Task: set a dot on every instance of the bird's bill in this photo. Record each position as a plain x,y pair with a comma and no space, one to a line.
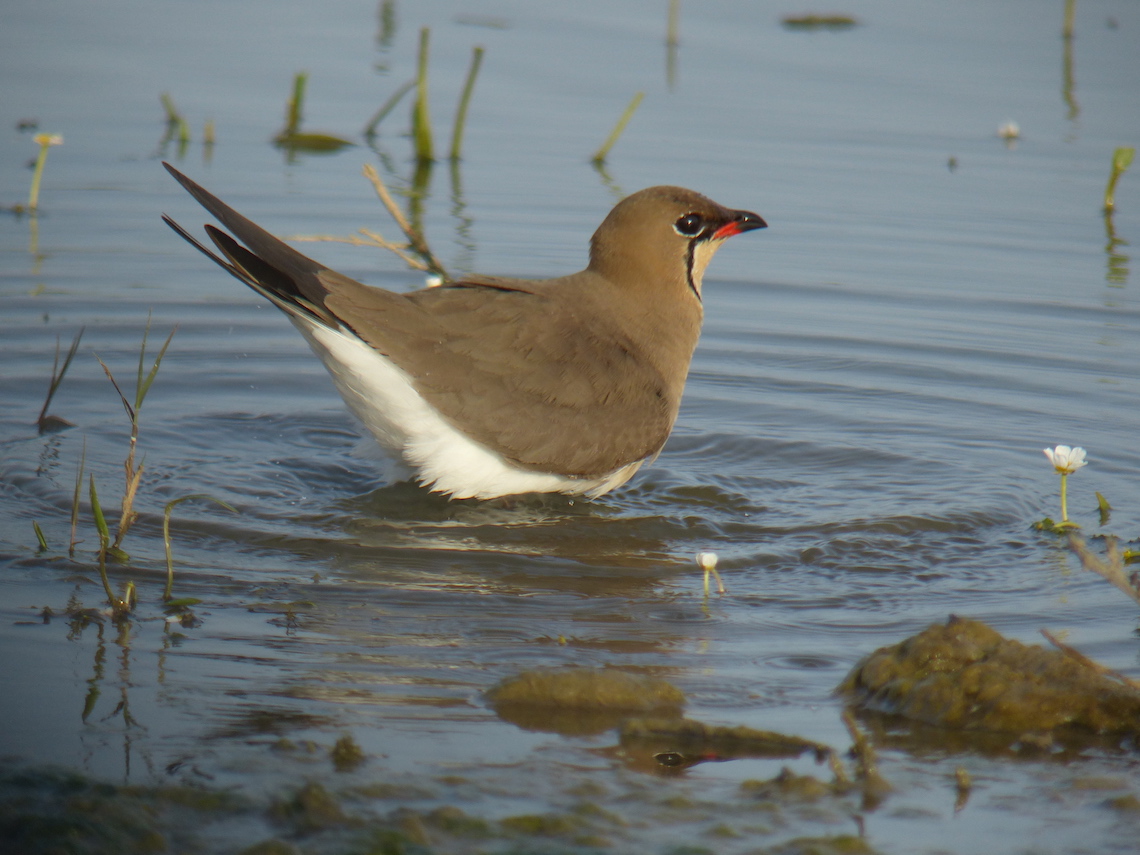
742,221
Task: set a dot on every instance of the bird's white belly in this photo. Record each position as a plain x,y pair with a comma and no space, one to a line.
382,396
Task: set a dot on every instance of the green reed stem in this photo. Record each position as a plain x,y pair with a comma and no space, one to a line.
464,100
44,421
1064,497
45,141
1121,160
75,498
104,544
421,118
175,121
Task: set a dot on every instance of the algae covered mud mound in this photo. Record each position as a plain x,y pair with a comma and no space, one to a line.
996,693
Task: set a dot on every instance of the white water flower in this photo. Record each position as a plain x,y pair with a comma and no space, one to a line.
1009,130
707,562
1066,460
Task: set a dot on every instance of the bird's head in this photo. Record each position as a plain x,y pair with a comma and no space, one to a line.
664,235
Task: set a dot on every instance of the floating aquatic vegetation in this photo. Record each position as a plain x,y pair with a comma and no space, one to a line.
684,742
292,138
818,22
581,700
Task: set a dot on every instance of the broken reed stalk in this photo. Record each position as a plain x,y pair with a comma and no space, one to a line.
464,99
1121,160
416,241
1084,661
387,107
44,421
295,105
176,122
44,141
370,238
415,253
601,154
1112,570
421,118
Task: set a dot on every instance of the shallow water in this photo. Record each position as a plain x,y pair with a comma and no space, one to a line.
859,442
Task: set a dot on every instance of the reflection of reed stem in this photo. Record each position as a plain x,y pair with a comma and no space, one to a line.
1067,28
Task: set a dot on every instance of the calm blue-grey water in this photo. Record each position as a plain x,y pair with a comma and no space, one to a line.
860,440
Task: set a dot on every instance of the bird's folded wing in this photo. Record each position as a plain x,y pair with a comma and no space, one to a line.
519,369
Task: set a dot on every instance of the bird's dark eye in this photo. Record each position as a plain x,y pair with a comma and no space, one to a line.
689,225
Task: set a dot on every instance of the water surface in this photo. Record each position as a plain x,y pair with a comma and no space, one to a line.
860,439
